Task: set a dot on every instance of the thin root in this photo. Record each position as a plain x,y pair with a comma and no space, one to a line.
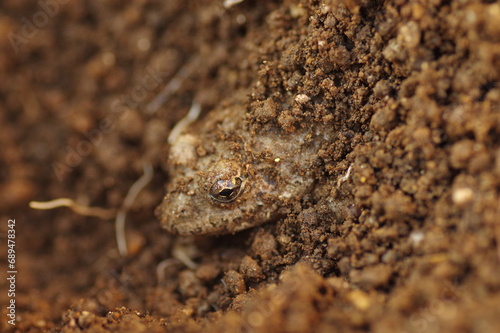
172,86
189,118
105,214
345,177
182,256
160,268
230,3
121,216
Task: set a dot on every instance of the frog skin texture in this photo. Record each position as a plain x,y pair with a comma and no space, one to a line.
261,168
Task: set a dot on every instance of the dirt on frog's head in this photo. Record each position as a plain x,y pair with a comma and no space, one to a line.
225,178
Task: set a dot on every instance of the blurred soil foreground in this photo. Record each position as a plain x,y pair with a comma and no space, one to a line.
401,232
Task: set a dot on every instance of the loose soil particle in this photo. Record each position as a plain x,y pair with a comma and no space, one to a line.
399,233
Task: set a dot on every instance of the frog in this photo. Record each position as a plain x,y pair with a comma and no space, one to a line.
229,173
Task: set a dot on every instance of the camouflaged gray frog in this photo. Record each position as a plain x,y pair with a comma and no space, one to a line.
227,174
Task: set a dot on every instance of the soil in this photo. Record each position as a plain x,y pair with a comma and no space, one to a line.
400,233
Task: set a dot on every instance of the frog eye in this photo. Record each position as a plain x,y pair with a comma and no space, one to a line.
226,190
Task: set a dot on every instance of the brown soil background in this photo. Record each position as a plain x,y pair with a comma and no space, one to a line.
411,86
